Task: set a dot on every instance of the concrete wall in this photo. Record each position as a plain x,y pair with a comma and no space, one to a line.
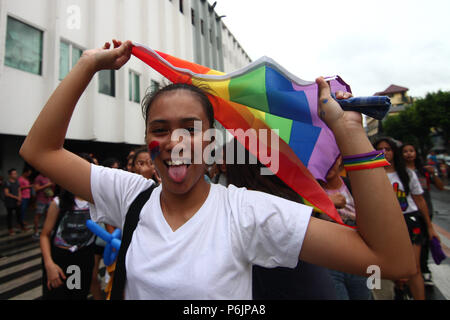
99,117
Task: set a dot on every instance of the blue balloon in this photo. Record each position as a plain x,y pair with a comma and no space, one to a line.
112,241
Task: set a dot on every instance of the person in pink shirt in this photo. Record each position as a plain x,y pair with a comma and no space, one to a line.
25,191
44,195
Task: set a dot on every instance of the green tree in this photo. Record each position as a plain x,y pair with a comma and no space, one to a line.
415,123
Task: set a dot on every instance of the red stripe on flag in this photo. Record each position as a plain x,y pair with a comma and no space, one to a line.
171,74
180,63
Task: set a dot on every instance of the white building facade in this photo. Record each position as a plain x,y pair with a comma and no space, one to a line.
41,40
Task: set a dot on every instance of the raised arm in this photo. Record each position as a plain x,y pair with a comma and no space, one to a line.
43,147
381,237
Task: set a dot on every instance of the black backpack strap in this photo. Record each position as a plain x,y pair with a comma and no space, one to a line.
131,221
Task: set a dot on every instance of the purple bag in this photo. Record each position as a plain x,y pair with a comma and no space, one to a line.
436,251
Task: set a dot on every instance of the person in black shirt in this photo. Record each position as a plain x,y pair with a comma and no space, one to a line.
13,200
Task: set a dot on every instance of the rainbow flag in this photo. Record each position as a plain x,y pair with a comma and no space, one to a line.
264,95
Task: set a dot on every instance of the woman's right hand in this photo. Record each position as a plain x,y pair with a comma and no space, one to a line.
106,58
55,276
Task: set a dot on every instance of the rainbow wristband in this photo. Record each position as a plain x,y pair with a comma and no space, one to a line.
371,160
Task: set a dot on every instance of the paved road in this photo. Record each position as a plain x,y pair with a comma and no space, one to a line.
441,221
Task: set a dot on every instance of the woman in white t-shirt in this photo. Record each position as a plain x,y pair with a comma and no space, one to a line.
409,193
196,240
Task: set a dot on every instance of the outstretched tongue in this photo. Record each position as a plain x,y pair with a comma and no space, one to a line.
178,173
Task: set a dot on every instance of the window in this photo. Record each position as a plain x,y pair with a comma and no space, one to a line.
193,17
23,47
107,82
154,86
76,55
68,58
210,35
181,6
202,27
134,90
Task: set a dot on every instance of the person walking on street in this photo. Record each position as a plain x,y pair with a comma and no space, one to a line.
44,195
25,191
410,197
13,200
427,176
67,242
205,237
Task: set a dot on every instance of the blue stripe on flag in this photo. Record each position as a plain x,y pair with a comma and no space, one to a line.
283,100
303,140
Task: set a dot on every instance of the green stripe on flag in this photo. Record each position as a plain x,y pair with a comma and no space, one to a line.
282,124
250,89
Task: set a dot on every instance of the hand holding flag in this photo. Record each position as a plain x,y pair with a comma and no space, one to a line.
329,109
106,58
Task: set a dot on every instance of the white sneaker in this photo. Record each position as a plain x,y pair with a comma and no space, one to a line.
427,279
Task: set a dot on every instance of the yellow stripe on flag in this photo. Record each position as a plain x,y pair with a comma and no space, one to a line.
217,88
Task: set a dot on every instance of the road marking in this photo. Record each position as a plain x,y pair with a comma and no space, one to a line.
441,278
4,287
29,295
6,260
20,267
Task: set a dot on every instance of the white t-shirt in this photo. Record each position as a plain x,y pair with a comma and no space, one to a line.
211,255
407,203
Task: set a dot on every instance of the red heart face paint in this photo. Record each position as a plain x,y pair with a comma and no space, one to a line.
153,147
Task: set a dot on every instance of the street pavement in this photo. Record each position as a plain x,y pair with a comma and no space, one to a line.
21,262
441,221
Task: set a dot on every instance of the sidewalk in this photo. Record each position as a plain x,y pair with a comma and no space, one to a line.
441,223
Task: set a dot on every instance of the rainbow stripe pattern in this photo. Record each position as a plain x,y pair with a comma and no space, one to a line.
264,95
370,160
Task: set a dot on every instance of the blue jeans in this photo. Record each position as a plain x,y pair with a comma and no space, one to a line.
350,286
23,208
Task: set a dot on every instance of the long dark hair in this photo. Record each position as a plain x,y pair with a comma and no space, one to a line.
67,198
399,163
418,161
138,152
249,175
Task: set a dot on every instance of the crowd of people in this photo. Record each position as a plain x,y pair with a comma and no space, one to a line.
221,231
34,193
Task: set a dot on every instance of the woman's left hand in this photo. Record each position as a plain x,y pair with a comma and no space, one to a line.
329,109
432,233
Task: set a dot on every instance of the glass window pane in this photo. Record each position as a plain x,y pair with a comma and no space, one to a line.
23,47
130,86
107,82
137,91
63,60
76,55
